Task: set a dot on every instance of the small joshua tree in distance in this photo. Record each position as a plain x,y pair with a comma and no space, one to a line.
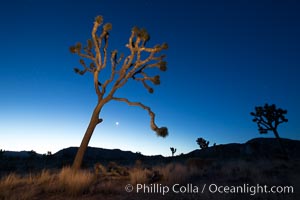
94,57
268,118
173,150
202,143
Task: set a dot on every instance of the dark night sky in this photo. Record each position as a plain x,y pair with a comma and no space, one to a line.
224,58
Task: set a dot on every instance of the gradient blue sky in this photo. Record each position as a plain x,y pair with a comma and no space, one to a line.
224,58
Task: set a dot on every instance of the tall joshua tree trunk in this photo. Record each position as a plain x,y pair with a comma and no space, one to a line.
86,138
134,67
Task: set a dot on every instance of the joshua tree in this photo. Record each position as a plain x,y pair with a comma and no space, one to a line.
202,143
268,117
133,67
173,150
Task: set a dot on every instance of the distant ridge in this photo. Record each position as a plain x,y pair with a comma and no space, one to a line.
100,153
257,147
254,148
20,154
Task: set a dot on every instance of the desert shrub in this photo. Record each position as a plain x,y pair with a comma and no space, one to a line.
75,182
114,169
99,169
167,174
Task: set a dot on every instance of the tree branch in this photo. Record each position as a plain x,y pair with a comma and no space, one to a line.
96,43
84,66
86,56
105,51
114,63
266,123
266,126
163,131
96,85
261,121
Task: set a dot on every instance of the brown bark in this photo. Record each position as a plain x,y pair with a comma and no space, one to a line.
86,138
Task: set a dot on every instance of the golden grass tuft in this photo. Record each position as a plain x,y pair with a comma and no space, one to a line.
65,181
11,181
44,177
75,182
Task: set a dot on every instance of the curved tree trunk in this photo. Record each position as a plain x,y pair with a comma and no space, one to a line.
86,138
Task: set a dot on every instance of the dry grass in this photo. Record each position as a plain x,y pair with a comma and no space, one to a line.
11,183
43,178
139,175
66,181
166,174
66,184
174,173
75,183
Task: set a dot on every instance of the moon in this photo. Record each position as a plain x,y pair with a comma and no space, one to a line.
117,123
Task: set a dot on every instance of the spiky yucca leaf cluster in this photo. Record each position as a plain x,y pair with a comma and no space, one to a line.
107,27
136,44
141,33
99,19
76,48
162,131
163,66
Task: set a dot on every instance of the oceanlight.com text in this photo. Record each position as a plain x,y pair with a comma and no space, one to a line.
211,188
